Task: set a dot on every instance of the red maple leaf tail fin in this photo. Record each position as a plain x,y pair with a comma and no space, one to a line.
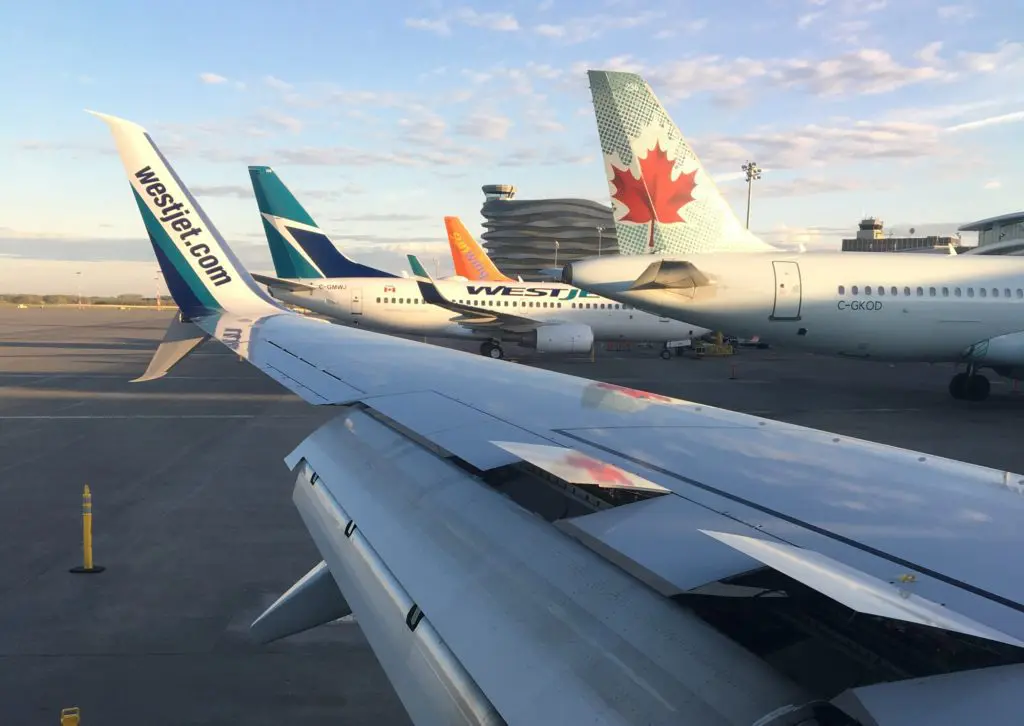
689,213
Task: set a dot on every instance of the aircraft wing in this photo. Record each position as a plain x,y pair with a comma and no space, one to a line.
278,282
482,612
471,316
671,276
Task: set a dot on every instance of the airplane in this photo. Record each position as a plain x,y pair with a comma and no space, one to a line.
701,565
549,317
874,306
471,260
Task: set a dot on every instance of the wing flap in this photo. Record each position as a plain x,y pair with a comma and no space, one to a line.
547,630
856,589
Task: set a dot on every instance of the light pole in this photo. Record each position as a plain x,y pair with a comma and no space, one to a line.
78,278
157,281
556,253
600,230
753,172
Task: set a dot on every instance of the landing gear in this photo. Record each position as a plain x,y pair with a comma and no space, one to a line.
666,354
969,386
491,350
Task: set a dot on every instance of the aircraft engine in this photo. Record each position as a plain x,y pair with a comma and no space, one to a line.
560,339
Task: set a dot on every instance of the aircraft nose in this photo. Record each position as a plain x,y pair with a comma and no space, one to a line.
567,274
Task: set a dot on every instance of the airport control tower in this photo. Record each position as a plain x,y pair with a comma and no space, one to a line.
521,233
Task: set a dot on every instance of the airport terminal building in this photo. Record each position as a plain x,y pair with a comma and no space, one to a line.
1002,235
521,234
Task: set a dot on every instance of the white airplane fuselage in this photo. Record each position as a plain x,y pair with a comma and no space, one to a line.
882,306
395,305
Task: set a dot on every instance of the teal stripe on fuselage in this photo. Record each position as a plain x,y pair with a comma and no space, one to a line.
160,237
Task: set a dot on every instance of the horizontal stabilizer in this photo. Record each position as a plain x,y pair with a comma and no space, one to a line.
312,601
858,590
577,468
282,284
670,275
180,339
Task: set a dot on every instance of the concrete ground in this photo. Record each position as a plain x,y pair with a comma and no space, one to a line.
194,521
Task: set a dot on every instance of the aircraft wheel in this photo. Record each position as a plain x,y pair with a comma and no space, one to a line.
666,354
495,352
958,386
485,347
978,388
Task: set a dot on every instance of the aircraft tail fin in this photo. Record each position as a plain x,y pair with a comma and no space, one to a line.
471,260
202,273
299,247
663,199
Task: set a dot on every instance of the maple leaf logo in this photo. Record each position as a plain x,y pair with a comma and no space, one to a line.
654,197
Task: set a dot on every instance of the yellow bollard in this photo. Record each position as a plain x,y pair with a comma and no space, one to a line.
87,567
70,716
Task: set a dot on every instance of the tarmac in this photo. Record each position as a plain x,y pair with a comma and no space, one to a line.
194,521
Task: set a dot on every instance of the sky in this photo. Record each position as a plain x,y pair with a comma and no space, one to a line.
384,117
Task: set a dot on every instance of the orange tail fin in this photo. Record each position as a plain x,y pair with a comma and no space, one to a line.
471,261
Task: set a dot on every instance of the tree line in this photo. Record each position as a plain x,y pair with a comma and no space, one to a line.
125,299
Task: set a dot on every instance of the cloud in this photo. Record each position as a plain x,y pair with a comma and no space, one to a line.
387,217
276,83
501,22
212,78
490,21
993,184
438,26
483,125
225,190
955,13
805,20
865,71
547,124
1006,57
281,121
818,146
805,186
582,29
1006,118
534,156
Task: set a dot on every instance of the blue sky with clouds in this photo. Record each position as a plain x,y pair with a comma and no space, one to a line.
384,117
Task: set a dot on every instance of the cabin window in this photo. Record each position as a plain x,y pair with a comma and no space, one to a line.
393,300
842,290
378,299
906,291
983,292
1020,293
956,291
931,292
1006,292
853,290
920,291
995,292
945,292
867,289
970,292
559,304
881,290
